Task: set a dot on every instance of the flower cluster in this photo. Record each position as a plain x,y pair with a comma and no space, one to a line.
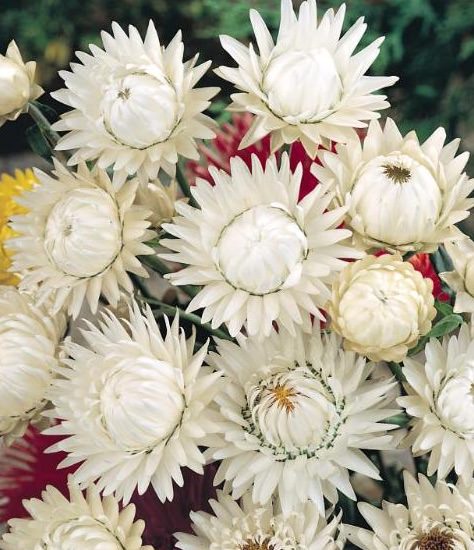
237,348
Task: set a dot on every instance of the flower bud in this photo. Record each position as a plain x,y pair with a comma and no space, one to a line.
159,199
381,306
319,84
17,85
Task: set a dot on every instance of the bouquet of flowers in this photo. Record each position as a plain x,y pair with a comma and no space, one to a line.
261,343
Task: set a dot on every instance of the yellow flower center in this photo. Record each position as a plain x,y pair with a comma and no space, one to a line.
282,396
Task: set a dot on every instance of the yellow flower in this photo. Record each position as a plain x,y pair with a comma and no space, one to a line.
10,188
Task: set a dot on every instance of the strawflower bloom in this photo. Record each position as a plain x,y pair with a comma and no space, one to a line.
88,522
401,194
80,238
30,341
296,413
134,105
381,306
249,526
11,188
308,85
435,518
135,405
441,401
261,255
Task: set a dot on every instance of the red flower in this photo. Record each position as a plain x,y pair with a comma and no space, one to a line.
25,470
422,263
226,145
164,519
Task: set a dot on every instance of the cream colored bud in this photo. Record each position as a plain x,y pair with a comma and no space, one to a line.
17,85
381,306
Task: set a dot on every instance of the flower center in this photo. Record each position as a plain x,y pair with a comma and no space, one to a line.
141,403
146,103
83,233
261,250
318,88
251,544
397,173
396,200
290,410
436,539
283,397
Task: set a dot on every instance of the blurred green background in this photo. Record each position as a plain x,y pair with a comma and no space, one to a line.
429,44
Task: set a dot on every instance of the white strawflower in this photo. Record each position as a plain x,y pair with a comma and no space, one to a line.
250,527
80,238
401,195
296,413
135,405
17,84
436,518
381,306
29,349
308,85
441,402
260,255
82,521
461,280
134,105
159,199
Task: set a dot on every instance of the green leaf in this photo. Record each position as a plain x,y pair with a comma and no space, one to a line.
400,419
445,326
38,142
47,111
443,308
449,321
467,49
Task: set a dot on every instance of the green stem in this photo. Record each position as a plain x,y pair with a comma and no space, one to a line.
51,136
191,317
397,371
138,283
43,124
153,262
185,188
